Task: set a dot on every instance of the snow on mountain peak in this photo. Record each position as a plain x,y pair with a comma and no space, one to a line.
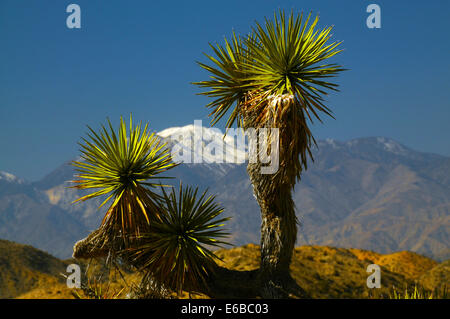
380,142
9,177
208,133
205,144
391,145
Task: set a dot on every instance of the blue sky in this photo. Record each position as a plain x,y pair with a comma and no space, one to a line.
139,56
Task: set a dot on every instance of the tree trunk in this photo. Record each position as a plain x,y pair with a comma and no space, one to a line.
273,193
278,236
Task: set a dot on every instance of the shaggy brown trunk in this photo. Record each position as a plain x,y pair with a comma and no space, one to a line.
274,191
278,236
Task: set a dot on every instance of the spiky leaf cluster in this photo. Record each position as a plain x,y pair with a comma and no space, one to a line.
177,249
124,168
275,77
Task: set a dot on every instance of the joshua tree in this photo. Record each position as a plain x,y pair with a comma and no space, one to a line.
161,234
275,78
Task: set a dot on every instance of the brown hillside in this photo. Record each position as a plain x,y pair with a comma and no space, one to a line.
324,272
23,268
437,277
410,264
327,272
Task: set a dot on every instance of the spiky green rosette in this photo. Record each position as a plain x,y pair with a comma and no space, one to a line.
275,78
176,250
123,167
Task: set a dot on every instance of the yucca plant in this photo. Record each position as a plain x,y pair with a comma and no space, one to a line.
276,77
176,252
124,167
413,294
97,290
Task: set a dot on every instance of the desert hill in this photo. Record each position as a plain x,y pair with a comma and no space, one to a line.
23,268
324,272
329,272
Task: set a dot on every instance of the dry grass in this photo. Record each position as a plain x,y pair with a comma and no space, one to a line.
324,272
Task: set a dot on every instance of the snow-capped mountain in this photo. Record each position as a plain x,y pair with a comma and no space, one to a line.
8,177
198,144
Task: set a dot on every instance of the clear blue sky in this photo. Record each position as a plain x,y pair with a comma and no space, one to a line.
139,56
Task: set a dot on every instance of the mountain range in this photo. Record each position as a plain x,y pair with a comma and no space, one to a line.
369,193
